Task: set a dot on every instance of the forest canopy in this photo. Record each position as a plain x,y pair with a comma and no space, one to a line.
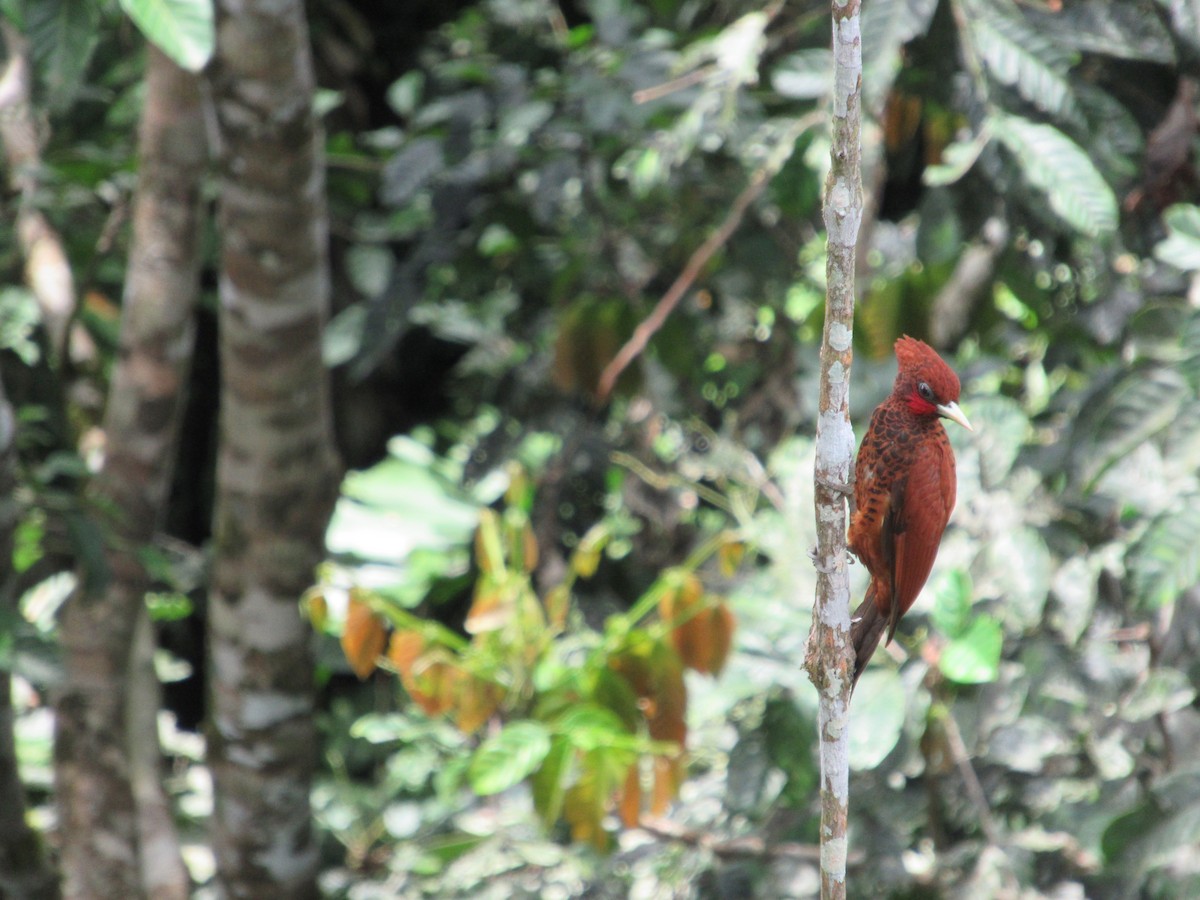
412,417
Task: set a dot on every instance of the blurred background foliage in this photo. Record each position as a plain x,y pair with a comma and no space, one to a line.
513,186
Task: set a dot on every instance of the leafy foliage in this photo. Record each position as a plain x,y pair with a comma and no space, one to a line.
583,712
509,199
182,29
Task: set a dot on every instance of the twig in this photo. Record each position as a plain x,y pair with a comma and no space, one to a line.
675,84
700,257
974,789
746,847
829,655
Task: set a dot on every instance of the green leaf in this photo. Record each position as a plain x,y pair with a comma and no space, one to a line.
974,657
549,781
1059,168
182,29
878,721
791,738
588,726
1161,691
405,92
1181,248
1023,59
952,594
1166,559
1001,429
1113,422
1019,564
958,157
62,35
805,75
508,757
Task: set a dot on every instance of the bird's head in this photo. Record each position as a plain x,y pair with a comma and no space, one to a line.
925,383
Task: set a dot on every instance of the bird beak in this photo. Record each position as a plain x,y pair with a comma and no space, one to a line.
952,412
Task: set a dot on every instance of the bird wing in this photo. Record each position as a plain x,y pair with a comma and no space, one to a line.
917,516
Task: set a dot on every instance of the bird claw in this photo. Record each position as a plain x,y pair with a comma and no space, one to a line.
823,569
846,489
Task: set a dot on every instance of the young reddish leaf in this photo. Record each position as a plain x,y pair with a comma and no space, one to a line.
701,626
430,682
434,685
404,650
363,637
681,594
630,804
655,673
723,624
493,606
478,700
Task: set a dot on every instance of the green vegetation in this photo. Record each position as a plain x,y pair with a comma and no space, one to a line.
527,577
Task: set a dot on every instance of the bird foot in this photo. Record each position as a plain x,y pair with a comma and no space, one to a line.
817,564
846,489
840,487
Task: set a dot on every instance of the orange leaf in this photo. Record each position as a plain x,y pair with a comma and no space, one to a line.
363,638
655,673
668,775
630,806
422,679
477,701
722,623
433,687
493,607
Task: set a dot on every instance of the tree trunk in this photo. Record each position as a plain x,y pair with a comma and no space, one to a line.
277,470
108,794
24,871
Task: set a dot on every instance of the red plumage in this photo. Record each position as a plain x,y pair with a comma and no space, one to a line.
904,490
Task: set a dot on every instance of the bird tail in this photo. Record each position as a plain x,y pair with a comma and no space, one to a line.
866,628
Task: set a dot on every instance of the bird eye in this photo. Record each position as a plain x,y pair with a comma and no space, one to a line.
925,391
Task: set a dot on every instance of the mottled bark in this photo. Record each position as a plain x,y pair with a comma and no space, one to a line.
118,841
276,472
830,658
47,271
24,871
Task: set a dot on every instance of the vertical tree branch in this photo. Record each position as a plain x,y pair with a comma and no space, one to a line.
276,469
829,657
117,834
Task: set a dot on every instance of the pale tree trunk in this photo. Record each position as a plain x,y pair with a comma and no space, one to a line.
117,833
24,871
276,468
830,659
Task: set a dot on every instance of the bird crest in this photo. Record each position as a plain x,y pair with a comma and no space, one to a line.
920,362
